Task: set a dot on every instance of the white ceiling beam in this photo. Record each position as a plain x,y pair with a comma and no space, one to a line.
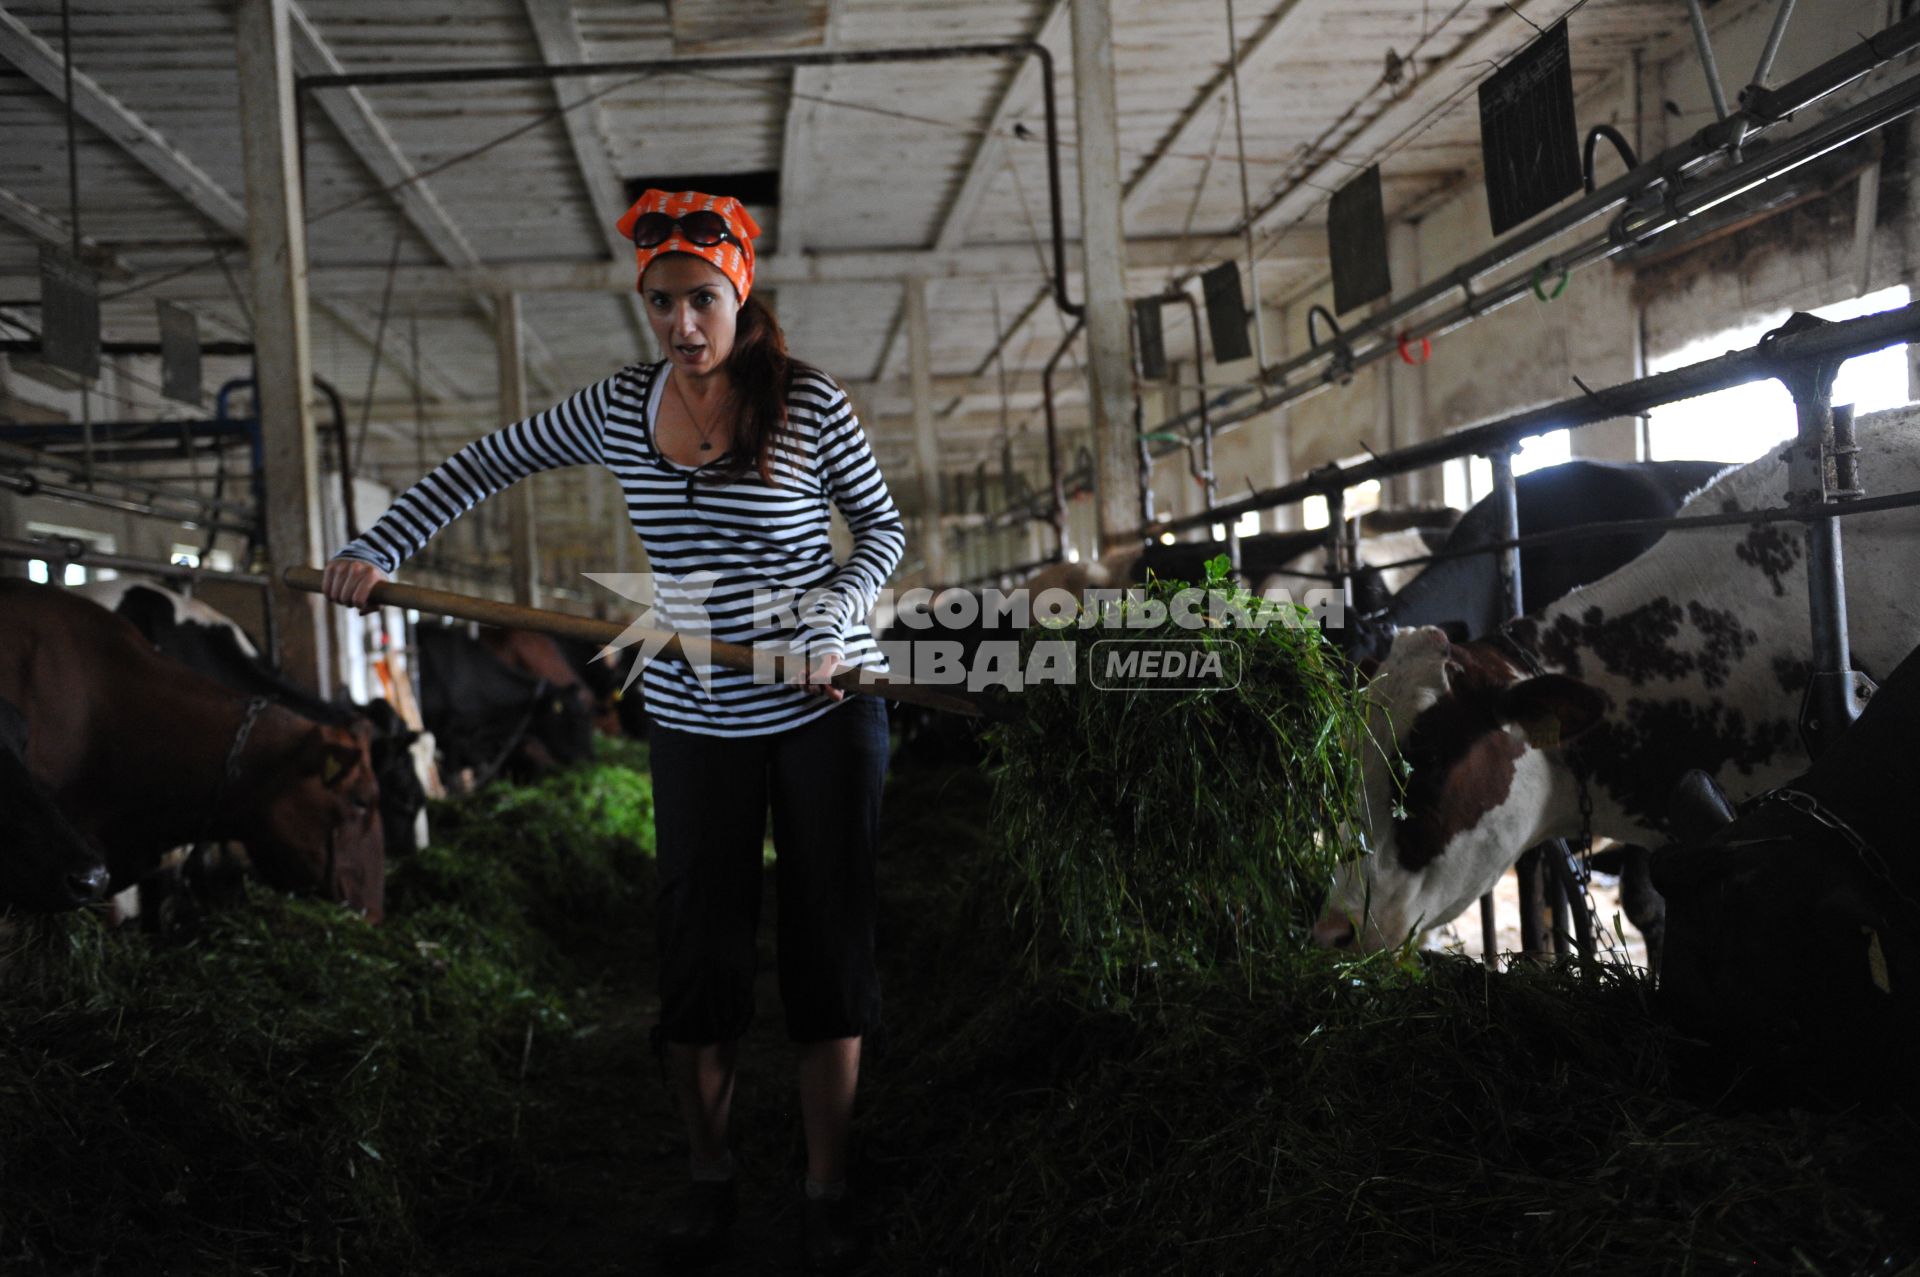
142,143
38,61
368,138
45,228
1013,263
1186,137
557,31
797,167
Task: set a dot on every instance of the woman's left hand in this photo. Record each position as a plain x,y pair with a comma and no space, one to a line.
814,679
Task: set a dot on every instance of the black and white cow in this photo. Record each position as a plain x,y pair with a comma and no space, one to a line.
1693,656
1462,595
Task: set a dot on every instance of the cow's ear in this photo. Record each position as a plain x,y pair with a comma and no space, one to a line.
337,764
331,760
1552,709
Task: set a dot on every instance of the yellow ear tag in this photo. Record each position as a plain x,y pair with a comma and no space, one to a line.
330,770
1543,731
1877,961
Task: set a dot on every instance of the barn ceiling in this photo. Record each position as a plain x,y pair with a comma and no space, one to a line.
425,200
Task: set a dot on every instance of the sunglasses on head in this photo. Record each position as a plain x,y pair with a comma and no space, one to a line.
703,228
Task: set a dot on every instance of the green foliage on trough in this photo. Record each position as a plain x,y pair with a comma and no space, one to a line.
289,1087
1187,820
1399,1114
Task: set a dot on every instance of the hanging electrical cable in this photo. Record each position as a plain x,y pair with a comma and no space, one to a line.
1246,195
379,344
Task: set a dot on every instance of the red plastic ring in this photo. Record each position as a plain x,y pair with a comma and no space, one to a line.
1406,355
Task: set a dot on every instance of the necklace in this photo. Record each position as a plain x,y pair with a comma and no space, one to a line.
706,432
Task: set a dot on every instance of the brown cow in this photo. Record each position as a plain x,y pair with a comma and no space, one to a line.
45,863
143,755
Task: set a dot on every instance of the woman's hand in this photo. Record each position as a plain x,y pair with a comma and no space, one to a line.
350,581
814,679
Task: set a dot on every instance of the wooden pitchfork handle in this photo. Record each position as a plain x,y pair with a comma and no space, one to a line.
732,656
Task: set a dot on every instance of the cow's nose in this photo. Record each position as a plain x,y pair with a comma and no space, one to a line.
87,887
1335,931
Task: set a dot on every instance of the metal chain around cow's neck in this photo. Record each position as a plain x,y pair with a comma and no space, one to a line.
1505,636
230,769
1604,935
1865,852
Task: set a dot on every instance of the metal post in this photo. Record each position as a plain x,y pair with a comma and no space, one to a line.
1540,894
1056,478
1834,697
513,407
1707,62
1774,36
1337,567
1104,261
926,445
277,265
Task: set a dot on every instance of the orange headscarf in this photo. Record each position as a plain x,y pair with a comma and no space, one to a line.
735,261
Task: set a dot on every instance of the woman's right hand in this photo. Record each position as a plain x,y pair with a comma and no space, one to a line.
350,581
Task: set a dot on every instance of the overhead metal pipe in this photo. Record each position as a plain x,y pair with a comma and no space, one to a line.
1771,50
1666,169
33,345
1769,106
71,550
1770,358
19,456
27,486
1708,63
1871,114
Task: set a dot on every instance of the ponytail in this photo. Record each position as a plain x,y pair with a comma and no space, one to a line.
763,375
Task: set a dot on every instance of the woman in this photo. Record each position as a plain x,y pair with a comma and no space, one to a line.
729,453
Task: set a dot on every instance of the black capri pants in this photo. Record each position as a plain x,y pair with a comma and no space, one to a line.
710,798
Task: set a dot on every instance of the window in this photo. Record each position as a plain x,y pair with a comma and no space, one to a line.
1467,480
1739,424
1362,498
41,570
1539,452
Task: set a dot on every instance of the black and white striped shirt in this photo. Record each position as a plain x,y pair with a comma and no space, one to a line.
752,539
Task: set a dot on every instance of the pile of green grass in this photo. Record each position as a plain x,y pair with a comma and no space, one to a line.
1180,826
290,1087
1320,1114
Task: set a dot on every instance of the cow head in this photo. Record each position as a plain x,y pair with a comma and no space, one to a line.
321,831
1456,786
46,864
